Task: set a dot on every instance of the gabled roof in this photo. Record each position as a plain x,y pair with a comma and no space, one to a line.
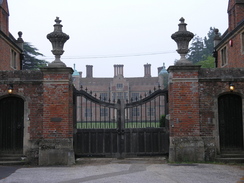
227,35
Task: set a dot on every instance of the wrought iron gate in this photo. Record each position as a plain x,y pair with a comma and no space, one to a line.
11,125
120,129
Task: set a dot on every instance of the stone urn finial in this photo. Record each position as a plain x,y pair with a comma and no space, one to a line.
182,38
57,38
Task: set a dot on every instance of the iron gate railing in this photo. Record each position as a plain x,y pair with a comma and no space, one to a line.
122,128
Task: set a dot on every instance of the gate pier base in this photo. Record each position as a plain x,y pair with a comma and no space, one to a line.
186,149
56,152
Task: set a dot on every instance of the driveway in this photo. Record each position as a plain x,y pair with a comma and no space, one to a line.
154,170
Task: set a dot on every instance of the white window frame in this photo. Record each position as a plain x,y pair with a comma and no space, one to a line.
223,55
13,60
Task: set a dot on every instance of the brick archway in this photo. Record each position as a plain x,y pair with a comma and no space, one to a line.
230,122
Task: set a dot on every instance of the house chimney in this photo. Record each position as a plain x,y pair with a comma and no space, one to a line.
217,37
235,12
147,70
118,70
89,73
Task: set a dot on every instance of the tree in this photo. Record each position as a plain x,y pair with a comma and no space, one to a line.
209,43
31,62
196,50
209,62
201,51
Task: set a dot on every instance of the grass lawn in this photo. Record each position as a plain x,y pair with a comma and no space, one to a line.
111,125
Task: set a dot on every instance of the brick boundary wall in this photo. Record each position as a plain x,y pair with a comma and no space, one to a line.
193,119
193,109
48,113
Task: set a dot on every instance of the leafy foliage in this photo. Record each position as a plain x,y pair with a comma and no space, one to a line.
201,50
209,62
31,62
162,121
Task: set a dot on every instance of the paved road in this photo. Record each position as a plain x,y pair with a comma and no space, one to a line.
125,171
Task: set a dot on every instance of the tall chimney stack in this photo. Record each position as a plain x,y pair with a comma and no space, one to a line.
118,70
89,72
147,70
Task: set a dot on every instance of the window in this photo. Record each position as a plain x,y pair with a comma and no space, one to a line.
135,96
114,96
119,86
13,59
223,56
135,111
88,112
120,95
125,95
103,112
151,111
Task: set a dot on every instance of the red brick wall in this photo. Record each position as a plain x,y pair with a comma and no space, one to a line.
6,43
236,14
235,56
27,85
184,101
4,14
43,101
57,99
211,86
5,56
193,105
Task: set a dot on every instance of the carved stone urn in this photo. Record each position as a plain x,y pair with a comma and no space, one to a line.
182,38
57,38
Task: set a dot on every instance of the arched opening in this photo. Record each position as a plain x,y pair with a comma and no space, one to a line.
230,122
11,125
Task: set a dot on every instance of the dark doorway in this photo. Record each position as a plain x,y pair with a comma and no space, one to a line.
230,122
11,125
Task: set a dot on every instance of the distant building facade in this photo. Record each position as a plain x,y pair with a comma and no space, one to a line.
123,88
120,87
10,49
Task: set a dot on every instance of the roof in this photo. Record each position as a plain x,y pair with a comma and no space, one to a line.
163,71
75,73
227,35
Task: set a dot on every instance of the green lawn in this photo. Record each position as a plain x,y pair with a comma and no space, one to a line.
109,125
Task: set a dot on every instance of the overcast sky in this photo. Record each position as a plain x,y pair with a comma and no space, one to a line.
107,32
